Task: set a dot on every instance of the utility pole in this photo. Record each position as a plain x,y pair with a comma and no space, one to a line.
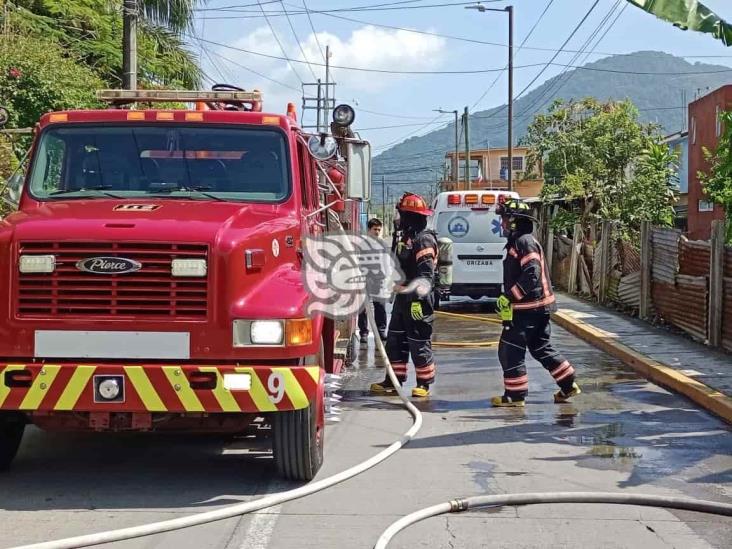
456,160
327,86
383,198
466,129
129,44
509,9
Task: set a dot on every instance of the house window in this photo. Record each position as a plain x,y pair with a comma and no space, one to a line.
693,130
518,163
706,206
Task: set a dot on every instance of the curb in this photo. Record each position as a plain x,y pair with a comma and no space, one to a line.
661,374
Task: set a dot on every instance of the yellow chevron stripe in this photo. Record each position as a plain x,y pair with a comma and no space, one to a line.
293,389
180,384
259,394
4,389
40,387
144,388
224,397
73,389
314,372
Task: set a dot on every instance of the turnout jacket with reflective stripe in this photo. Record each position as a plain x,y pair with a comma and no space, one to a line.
418,256
526,279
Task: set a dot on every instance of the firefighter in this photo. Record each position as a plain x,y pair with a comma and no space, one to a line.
410,328
524,309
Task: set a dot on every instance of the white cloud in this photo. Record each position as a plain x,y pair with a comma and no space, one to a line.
367,47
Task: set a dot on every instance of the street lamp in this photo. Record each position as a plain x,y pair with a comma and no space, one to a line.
457,144
509,11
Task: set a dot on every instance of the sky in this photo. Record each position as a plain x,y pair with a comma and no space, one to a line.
392,107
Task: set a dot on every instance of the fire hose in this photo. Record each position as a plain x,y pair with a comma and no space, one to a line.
461,505
317,486
259,504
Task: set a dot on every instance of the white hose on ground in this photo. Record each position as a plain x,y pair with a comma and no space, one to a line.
259,504
460,505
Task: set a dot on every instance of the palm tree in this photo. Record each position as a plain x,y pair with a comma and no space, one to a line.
164,21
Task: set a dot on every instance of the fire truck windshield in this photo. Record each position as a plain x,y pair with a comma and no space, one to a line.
172,161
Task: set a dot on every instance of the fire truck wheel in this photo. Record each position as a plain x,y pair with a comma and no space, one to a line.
298,442
11,433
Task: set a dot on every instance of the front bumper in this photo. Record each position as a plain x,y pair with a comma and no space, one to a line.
62,387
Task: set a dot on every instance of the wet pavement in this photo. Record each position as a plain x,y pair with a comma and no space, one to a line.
621,434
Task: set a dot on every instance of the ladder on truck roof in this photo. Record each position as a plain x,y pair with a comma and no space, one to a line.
214,99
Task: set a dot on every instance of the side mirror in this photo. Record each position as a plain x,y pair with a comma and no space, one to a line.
358,180
13,189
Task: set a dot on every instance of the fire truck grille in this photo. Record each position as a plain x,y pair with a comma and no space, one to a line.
152,292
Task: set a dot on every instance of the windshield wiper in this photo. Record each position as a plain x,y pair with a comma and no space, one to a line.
96,189
158,188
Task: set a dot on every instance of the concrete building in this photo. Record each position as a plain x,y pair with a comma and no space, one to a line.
488,170
679,143
704,131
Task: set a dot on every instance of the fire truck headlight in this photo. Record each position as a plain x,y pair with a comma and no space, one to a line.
37,263
188,267
258,332
267,332
343,115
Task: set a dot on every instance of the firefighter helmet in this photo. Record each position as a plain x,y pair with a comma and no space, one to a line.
414,203
514,207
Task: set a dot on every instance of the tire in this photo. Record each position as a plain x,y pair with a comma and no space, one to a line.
11,433
299,436
298,443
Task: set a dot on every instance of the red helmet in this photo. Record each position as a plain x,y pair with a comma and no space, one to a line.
413,203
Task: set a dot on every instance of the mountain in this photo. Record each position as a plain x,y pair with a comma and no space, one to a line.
657,96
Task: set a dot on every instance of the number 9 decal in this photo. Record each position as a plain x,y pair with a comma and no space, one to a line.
276,387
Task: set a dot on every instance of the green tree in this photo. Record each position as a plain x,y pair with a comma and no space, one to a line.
598,154
91,30
717,181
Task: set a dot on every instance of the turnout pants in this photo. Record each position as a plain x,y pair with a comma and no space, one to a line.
530,330
379,316
411,337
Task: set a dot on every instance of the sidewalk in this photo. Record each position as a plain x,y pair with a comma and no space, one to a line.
700,373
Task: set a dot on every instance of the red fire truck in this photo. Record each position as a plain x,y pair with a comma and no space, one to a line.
152,277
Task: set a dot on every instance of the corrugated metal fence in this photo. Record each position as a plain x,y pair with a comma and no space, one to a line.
679,270
727,312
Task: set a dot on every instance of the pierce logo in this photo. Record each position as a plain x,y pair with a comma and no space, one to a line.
108,265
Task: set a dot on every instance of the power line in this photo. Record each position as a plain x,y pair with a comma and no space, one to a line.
556,54
557,82
282,49
364,69
297,39
315,33
392,6
528,35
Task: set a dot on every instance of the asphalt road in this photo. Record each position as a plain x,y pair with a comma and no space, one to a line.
621,434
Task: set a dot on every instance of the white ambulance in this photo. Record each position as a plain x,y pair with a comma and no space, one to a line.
469,219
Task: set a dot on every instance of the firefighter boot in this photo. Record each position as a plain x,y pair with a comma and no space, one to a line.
504,401
560,396
421,391
385,388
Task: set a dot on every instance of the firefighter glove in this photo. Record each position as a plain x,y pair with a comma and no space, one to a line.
416,311
504,309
